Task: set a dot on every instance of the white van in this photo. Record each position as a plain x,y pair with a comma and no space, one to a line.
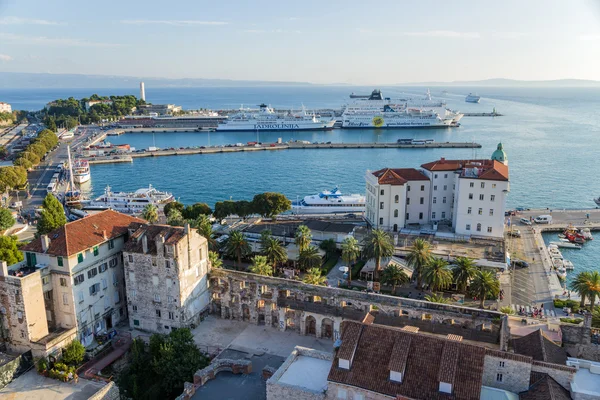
543,219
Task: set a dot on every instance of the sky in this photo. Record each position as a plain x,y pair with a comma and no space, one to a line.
318,41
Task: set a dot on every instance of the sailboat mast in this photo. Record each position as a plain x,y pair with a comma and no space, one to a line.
70,170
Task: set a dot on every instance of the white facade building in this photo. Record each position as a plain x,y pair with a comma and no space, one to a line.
5,107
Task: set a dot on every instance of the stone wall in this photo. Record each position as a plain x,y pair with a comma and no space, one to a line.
319,310
15,367
515,371
561,373
109,392
353,393
218,365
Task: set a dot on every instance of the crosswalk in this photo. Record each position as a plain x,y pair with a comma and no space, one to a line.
529,310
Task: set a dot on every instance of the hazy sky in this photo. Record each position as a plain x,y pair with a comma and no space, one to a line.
325,41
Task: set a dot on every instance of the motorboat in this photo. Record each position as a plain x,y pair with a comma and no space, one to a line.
567,245
568,265
561,272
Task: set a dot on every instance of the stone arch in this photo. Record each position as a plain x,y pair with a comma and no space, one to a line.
310,325
245,312
327,328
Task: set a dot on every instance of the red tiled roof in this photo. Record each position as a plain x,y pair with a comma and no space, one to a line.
399,176
375,346
84,233
171,234
489,169
540,348
544,387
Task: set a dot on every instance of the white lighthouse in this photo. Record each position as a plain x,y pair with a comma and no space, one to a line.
142,91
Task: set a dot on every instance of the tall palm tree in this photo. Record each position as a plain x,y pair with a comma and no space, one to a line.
437,298
150,213
215,261
309,258
274,251
437,274
593,288
265,235
393,275
313,277
378,244
418,257
205,230
463,271
237,246
350,252
261,266
484,285
303,237
580,285
596,318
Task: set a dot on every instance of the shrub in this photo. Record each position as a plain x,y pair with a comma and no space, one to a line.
73,354
575,321
559,303
42,364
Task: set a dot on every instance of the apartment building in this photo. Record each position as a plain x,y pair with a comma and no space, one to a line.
166,271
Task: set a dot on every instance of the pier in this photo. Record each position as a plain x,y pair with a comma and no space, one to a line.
483,114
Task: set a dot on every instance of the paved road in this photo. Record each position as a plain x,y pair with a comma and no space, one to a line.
335,276
576,217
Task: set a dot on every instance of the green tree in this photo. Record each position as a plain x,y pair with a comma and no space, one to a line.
485,284
174,218
223,209
596,317
73,353
23,162
9,250
437,298
52,215
313,277
507,310
437,274
6,219
260,266
593,289
150,213
38,149
195,210
378,244
243,208
463,271
418,257
580,285
270,204
329,246
303,237
205,230
173,205
350,253
309,258
237,246
215,261
393,275
274,251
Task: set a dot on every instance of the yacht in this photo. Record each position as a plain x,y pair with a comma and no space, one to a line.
472,98
330,202
129,202
567,245
266,119
81,171
383,112
568,265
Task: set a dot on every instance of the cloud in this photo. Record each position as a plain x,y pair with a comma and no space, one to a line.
43,40
5,57
25,21
293,18
270,31
510,35
433,34
171,22
589,37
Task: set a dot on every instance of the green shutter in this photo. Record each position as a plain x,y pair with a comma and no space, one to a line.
33,259
95,250
28,257
60,261
80,257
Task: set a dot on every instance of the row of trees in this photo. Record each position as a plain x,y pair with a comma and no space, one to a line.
52,215
267,204
37,149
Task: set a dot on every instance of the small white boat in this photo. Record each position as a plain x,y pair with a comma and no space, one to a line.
567,245
568,265
561,272
587,235
558,263
472,98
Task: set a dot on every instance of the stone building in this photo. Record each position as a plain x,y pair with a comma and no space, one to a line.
166,275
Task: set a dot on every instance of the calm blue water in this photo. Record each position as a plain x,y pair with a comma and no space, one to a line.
585,259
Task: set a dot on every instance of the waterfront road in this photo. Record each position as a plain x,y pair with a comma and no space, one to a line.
563,216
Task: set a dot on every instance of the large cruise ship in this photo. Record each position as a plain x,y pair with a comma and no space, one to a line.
330,202
129,202
380,112
266,119
81,171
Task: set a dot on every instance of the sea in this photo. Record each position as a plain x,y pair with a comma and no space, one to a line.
550,135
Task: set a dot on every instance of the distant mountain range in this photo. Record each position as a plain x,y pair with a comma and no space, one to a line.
21,80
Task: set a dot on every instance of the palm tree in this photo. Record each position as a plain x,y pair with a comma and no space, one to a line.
313,277
437,298
215,261
261,266
274,251
580,285
437,274
329,246
150,213
596,318
593,288
507,310
376,245
205,230
393,275
418,257
303,237
484,285
463,271
350,252
237,246
309,258
265,235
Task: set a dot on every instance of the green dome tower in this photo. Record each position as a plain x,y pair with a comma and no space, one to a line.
499,155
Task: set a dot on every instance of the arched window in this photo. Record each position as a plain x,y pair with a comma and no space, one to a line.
396,199
395,213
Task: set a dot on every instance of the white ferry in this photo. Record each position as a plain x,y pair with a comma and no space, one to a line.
330,202
380,112
472,98
266,119
129,202
81,171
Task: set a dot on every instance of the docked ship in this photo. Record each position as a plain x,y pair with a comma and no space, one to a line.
330,202
266,119
472,98
380,112
81,171
129,202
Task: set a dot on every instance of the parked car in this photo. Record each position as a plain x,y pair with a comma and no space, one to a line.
515,233
519,264
525,221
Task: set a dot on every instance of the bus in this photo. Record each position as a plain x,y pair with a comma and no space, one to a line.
51,187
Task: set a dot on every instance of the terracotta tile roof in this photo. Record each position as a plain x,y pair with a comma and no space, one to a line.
171,234
544,388
84,233
448,362
508,356
378,348
398,176
540,348
348,346
488,169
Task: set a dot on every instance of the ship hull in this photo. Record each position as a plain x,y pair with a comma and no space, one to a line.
82,178
275,127
327,210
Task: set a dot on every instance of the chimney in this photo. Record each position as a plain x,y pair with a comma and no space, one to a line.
3,268
45,242
144,244
104,234
442,160
160,243
186,228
